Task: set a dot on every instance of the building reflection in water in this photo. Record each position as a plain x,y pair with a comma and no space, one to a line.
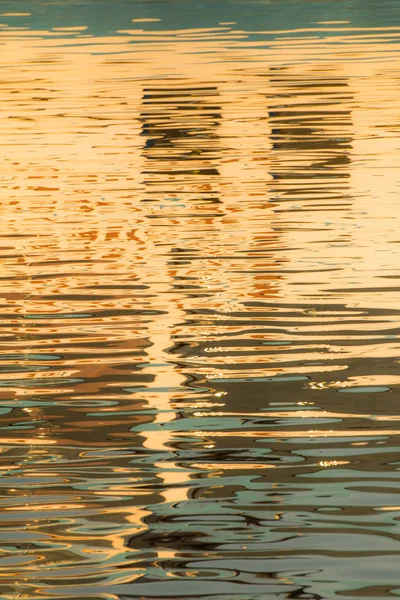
190,289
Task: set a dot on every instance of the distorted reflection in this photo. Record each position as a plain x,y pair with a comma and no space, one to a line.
199,263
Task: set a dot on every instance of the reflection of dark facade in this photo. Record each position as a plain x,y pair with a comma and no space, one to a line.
311,137
181,150
179,126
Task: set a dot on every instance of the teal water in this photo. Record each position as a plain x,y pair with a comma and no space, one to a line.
199,344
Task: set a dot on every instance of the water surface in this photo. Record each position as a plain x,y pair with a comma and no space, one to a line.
200,300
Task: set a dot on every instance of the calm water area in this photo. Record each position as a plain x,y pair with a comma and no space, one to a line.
200,299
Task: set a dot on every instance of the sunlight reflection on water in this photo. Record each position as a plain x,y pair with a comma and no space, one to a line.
200,340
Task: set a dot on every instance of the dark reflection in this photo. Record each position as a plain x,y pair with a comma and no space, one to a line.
312,128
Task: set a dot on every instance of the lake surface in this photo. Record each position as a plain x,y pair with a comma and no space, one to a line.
200,300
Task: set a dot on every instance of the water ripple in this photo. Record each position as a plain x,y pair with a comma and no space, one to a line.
199,311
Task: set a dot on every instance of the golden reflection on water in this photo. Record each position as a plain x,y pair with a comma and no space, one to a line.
199,263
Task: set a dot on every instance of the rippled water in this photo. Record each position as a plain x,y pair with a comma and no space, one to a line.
200,299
